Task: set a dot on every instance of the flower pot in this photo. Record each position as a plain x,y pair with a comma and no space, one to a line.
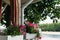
18,37
30,36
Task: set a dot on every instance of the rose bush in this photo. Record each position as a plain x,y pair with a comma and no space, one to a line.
31,27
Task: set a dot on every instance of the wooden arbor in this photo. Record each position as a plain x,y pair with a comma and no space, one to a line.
15,11
15,6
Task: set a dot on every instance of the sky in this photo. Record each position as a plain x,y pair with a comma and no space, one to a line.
47,21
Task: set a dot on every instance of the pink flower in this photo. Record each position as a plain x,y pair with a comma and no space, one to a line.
35,25
22,29
30,24
22,26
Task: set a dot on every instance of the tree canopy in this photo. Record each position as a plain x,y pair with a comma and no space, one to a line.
40,10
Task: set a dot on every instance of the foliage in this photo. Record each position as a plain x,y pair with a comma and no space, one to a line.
29,30
6,14
14,30
30,27
50,27
38,11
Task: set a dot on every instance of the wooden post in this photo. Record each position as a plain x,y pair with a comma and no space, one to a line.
14,11
0,10
19,15
17,12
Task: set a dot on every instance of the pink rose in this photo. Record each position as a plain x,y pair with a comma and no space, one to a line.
35,25
30,24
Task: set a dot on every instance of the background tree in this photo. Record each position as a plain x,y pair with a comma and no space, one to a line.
40,10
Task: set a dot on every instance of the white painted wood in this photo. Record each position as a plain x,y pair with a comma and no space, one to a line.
18,37
2,28
7,1
19,21
30,36
3,9
3,37
34,1
22,1
23,7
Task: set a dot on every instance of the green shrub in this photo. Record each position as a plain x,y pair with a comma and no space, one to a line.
50,27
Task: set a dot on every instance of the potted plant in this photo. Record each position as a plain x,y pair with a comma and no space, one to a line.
15,32
31,29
